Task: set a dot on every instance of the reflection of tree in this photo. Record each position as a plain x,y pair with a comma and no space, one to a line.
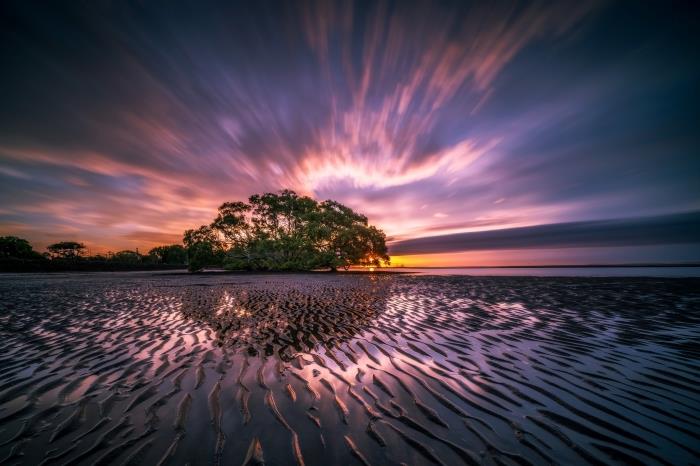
287,317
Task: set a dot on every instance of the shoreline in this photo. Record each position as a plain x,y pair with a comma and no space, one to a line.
182,270
660,273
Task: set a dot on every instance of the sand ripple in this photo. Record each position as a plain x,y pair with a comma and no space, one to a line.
346,369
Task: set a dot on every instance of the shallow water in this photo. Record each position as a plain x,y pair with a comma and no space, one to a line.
676,272
142,368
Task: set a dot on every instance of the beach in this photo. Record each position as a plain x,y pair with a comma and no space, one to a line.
320,369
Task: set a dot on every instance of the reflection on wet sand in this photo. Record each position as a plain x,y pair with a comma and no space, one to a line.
329,369
285,319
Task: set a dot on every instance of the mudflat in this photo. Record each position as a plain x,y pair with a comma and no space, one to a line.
320,369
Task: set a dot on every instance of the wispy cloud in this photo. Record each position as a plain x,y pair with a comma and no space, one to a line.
667,229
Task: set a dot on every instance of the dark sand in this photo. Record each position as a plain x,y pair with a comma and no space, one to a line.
137,368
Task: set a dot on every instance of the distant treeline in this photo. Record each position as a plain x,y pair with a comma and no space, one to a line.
271,232
18,255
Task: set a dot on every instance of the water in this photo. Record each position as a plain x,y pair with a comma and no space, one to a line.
125,368
690,271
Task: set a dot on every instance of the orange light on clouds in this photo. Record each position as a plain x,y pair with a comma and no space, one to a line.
497,258
546,257
475,258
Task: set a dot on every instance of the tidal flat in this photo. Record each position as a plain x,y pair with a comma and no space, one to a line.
325,369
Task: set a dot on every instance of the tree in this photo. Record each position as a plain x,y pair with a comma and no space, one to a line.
286,231
232,223
173,254
126,257
359,245
17,248
66,250
204,248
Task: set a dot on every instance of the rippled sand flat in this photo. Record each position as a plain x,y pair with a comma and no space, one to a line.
348,369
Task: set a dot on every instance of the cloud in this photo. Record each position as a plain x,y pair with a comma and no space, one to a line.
154,237
416,66
665,229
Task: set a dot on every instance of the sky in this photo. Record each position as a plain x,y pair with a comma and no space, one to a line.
124,123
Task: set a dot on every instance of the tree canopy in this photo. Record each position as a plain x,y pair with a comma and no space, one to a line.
171,254
285,231
17,248
66,249
126,257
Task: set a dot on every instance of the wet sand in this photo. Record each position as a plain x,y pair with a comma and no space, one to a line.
140,368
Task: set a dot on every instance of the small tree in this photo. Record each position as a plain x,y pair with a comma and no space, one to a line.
173,254
126,257
204,248
17,248
201,255
66,250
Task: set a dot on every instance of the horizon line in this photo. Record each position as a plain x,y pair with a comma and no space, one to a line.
555,266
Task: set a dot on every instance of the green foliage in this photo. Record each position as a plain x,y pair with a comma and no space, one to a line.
285,231
173,254
17,248
126,257
17,255
204,248
66,250
203,254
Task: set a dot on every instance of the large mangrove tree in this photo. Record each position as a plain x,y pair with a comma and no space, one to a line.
285,231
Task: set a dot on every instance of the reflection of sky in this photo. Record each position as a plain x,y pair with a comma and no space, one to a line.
124,125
